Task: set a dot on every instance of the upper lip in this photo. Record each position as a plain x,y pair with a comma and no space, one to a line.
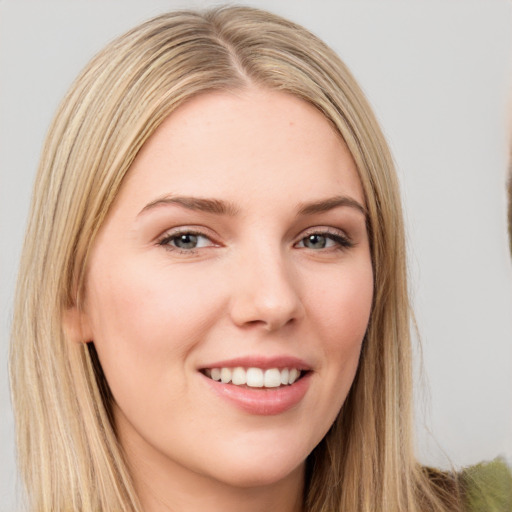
263,362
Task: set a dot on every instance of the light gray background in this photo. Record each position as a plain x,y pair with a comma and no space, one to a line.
438,74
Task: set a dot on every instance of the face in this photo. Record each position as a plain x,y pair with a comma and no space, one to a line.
229,289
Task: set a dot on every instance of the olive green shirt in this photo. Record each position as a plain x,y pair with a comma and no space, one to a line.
488,487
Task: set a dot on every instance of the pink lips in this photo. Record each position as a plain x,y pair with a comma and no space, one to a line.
262,401
262,362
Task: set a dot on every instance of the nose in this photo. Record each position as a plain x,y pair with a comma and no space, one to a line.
264,292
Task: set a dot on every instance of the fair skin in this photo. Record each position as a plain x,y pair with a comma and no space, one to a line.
238,239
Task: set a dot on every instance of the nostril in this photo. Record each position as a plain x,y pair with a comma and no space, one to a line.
269,324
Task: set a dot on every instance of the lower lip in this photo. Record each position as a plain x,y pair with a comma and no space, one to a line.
262,401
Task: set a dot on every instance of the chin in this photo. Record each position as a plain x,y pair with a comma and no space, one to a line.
252,476
262,467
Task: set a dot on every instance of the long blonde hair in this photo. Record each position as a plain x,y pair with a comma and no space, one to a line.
69,456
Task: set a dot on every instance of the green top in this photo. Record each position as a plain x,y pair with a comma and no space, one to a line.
488,487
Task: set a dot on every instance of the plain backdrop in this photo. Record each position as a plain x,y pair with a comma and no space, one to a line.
438,74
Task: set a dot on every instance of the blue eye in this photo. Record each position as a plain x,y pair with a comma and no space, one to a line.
315,241
186,241
318,241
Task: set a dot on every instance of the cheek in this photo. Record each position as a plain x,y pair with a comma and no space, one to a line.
147,305
342,306
146,323
341,312
338,306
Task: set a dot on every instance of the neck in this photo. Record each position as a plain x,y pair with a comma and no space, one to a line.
200,494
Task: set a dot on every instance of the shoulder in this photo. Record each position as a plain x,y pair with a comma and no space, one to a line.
487,487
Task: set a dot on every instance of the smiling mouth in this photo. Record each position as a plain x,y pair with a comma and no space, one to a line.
255,377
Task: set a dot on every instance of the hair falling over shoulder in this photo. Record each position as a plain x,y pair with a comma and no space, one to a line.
69,456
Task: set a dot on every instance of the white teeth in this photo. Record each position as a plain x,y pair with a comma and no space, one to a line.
239,376
225,375
254,377
272,378
293,375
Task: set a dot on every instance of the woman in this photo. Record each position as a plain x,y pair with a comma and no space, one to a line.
212,306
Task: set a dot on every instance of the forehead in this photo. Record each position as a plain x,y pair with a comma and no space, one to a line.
245,143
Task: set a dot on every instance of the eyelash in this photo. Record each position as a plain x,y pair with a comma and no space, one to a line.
342,241
168,237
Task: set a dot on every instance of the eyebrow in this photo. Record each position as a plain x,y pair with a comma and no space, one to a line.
215,206
219,207
329,204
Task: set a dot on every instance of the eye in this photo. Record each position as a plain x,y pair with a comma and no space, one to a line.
185,241
324,240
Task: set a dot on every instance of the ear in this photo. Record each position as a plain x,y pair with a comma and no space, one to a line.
76,325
